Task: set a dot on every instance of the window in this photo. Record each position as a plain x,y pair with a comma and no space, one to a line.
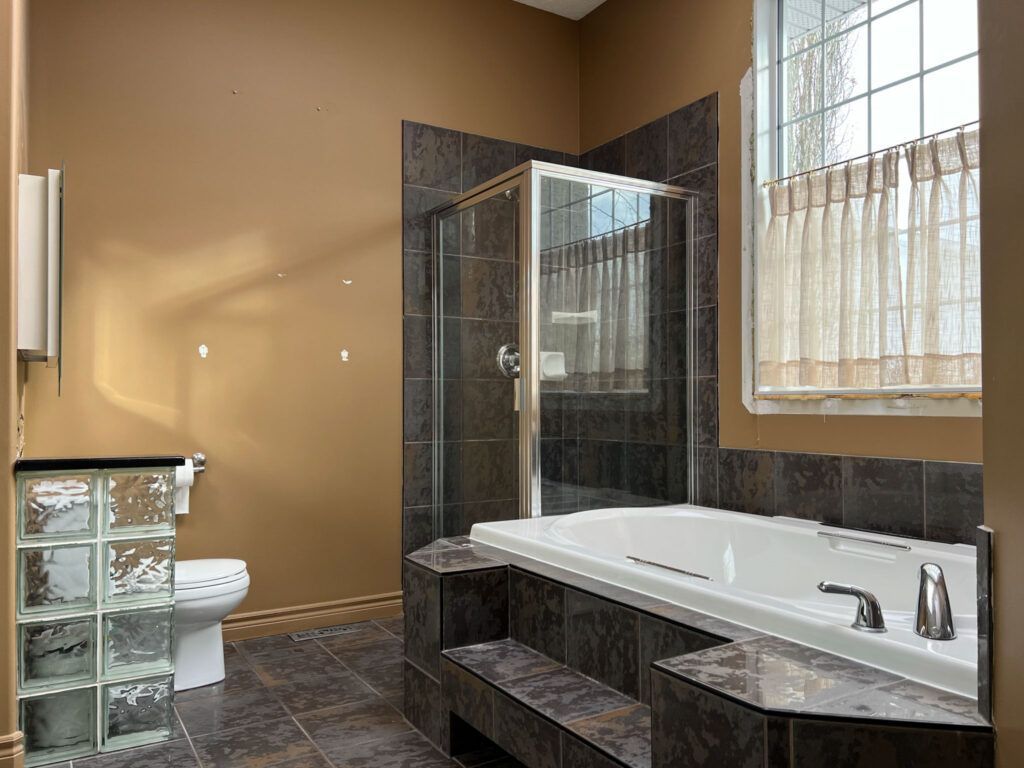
866,268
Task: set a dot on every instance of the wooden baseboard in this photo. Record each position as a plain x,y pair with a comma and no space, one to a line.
12,750
242,626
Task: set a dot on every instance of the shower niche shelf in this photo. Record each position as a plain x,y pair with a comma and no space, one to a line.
95,604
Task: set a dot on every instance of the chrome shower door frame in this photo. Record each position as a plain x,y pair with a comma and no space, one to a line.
527,179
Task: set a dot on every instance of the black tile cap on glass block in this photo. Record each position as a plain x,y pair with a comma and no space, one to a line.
97,462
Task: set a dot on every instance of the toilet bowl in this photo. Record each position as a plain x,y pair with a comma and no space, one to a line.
205,592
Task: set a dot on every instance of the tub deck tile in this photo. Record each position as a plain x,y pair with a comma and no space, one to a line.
907,701
452,559
776,674
564,696
501,661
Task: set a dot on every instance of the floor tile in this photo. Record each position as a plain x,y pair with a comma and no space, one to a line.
262,744
384,678
367,634
338,728
284,666
264,644
408,750
310,761
230,710
368,653
393,624
170,754
330,687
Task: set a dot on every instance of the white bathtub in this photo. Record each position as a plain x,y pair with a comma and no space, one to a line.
764,574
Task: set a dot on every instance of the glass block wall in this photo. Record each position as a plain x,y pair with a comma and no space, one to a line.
95,607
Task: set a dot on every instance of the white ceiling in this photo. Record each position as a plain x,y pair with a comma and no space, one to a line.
571,9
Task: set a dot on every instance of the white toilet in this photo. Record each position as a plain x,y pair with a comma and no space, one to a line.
205,592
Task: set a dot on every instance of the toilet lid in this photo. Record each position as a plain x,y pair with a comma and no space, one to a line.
206,573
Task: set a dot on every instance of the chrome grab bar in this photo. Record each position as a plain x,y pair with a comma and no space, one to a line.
668,568
863,540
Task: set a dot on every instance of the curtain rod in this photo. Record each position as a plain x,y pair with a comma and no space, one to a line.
869,154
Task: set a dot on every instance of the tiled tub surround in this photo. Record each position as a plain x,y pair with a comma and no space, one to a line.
562,670
94,604
437,164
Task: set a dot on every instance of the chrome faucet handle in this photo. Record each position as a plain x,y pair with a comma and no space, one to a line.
934,619
869,612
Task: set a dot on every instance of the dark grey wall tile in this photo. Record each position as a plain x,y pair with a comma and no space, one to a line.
647,151
537,614
707,341
488,409
884,495
602,417
451,473
693,135
695,729
678,474
602,464
417,285
677,344
451,348
647,470
809,486
703,181
602,642
450,281
953,501
481,340
484,158
551,459
451,409
475,607
467,696
422,702
488,289
525,152
707,474
648,414
676,282
417,468
417,347
490,470
609,157
707,411
416,201
842,745
431,156
707,270
663,640
417,410
522,734
573,161
489,229
421,601
459,519
417,528
746,481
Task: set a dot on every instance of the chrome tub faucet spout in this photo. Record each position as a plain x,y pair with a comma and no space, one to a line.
869,612
934,619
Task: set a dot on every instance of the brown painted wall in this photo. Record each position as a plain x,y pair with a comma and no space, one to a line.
641,59
1002,274
13,160
185,200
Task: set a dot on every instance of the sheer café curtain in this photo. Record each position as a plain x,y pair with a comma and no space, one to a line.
594,305
868,274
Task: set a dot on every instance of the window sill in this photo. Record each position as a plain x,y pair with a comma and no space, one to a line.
953,407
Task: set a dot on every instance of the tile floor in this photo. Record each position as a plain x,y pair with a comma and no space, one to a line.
329,703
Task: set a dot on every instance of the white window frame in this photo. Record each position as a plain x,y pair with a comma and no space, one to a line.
759,110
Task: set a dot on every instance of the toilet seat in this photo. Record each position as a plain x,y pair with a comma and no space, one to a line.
196,580
197,574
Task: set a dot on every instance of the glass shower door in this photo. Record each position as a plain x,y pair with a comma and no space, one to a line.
612,344
477,278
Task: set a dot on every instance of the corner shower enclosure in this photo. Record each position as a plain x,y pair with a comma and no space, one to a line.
562,347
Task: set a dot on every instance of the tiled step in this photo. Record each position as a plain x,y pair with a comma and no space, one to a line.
610,722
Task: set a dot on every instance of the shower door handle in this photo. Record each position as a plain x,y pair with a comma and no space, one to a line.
508,360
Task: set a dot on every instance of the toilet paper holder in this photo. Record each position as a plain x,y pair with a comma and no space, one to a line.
198,463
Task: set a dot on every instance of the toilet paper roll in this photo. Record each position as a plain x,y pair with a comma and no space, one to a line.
183,478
